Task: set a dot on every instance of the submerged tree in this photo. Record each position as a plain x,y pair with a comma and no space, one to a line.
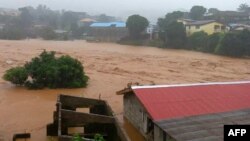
198,40
17,75
48,71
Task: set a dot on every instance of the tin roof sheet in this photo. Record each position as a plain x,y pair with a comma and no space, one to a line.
109,24
204,127
176,101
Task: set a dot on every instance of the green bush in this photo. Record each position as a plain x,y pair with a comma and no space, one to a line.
231,45
198,40
99,137
175,35
77,137
42,70
212,42
17,75
245,41
71,73
48,71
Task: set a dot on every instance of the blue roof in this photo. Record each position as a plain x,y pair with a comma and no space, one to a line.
109,24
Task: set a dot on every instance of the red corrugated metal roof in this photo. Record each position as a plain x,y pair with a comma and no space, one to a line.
167,102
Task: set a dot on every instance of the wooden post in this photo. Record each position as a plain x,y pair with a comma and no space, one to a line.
59,107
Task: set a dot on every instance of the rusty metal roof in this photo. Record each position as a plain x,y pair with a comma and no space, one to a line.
203,127
178,101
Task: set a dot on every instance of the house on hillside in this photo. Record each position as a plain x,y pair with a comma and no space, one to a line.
208,26
190,112
108,32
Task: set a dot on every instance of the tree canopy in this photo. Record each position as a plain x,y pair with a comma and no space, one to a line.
231,45
198,40
172,32
25,17
136,24
213,10
176,35
48,71
244,8
197,12
169,18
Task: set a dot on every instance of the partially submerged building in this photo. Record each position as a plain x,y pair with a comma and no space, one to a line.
192,112
108,32
96,118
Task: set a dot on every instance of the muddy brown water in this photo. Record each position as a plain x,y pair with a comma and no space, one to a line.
110,67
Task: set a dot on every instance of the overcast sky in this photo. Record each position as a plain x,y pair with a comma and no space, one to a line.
152,9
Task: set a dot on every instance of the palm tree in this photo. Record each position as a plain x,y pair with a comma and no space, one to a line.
243,7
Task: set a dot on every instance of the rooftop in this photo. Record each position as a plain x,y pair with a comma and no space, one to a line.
201,22
109,24
187,20
177,101
204,127
87,20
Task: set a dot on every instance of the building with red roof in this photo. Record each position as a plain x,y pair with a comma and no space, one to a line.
187,112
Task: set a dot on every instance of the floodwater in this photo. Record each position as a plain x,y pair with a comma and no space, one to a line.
110,67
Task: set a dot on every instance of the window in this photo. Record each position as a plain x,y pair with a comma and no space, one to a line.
216,27
197,27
